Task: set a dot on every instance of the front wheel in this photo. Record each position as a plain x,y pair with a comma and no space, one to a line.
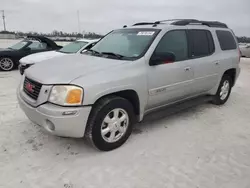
110,123
224,90
6,64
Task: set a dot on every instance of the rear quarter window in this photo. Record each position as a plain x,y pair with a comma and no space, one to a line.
226,40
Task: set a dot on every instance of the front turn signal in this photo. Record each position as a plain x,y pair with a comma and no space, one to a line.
74,97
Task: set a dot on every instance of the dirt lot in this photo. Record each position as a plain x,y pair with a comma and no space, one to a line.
203,147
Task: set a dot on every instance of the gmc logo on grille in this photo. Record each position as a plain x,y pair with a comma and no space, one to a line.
29,87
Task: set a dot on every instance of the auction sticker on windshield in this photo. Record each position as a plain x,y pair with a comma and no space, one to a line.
146,33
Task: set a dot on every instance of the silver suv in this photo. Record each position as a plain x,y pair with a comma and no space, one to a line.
130,72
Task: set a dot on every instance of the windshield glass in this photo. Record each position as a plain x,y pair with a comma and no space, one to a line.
19,45
128,43
73,47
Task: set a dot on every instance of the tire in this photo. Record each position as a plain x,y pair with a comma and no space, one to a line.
221,98
106,110
6,64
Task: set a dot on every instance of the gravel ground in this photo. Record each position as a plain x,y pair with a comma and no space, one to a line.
205,146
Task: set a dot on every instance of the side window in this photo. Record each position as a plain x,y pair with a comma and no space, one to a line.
201,43
175,42
226,39
38,46
210,42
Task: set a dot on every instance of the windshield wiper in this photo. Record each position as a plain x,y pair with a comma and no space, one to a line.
113,54
94,52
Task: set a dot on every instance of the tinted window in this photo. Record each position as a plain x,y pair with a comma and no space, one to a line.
175,42
210,42
201,43
226,39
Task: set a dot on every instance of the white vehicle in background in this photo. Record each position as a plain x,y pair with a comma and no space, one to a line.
73,47
245,50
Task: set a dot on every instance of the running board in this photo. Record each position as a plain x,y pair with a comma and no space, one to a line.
177,107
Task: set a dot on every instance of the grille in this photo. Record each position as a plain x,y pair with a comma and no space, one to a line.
31,88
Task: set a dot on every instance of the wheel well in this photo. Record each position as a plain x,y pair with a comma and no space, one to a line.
131,96
232,74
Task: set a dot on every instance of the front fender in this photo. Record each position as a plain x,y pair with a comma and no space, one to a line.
110,91
142,97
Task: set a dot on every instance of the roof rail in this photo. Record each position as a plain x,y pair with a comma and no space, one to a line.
175,20
183,22
207,23
144,23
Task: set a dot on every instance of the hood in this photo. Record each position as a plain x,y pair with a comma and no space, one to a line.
38,57
63,70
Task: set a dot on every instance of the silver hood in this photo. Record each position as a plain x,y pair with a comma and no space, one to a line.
65,69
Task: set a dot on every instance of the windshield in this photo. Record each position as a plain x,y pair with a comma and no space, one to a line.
19,45
127,43
73,47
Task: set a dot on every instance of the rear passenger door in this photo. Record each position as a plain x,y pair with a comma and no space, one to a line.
204,63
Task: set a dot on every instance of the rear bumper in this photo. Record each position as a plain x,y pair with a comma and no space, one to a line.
54,120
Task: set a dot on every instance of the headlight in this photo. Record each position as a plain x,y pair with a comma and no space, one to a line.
66,95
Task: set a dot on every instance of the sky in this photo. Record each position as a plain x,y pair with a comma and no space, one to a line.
102,16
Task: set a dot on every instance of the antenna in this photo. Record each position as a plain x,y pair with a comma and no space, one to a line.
78,20
4,26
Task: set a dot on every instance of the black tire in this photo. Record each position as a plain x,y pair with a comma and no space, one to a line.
99,112
12,66
217,98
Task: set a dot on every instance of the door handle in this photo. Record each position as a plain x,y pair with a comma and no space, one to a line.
187,68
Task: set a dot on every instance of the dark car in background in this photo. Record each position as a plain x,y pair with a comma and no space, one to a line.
9,57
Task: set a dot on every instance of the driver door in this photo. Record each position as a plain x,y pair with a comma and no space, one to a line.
170,81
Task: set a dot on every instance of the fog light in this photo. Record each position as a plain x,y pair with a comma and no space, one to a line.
50,126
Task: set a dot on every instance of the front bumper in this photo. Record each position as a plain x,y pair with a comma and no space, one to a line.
54,120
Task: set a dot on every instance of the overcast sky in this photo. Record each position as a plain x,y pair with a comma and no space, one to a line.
104,15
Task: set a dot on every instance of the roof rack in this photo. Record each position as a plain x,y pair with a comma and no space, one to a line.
184,22
144,23
207,23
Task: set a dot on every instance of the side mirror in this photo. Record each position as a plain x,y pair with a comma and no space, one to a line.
162,58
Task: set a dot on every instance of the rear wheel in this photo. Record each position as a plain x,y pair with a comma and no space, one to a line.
224,90
6,64
110,123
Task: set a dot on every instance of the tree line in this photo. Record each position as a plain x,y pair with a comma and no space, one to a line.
243,39
90,35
